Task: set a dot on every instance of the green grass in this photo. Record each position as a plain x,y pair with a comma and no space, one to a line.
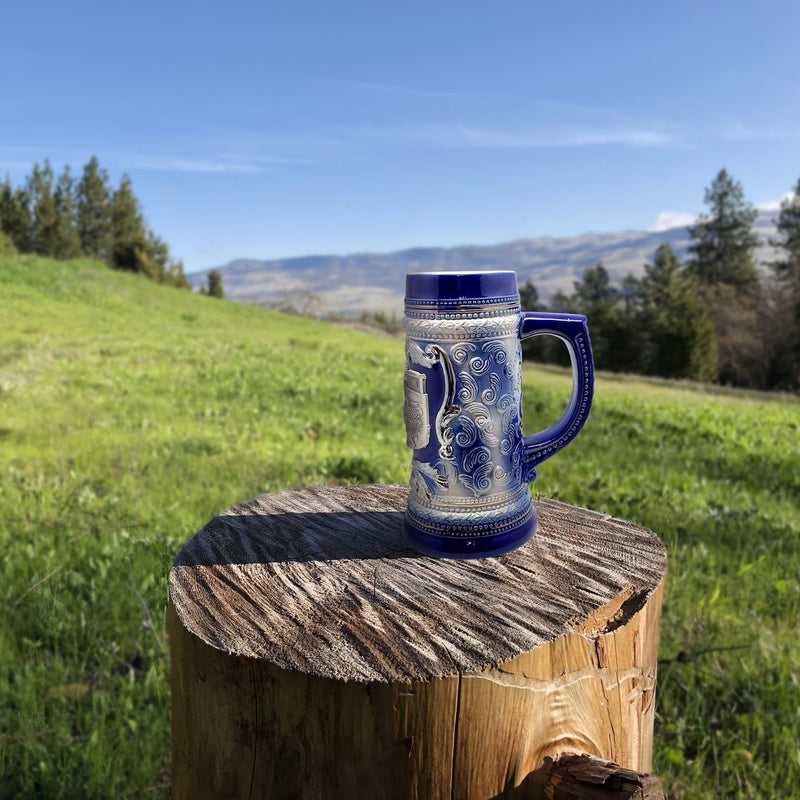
130,414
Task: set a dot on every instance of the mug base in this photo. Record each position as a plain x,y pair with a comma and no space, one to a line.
463,547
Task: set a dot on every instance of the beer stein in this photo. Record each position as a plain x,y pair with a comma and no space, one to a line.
471,466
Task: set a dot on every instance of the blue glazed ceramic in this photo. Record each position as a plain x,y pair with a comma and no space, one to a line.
469,494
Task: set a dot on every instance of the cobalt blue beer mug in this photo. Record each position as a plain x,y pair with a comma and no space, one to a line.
469,494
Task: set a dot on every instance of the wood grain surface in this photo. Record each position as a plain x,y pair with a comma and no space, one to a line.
320,581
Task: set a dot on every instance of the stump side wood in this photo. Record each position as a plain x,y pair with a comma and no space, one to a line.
315,655
586,778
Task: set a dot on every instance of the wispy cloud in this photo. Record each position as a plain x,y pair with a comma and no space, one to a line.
173,164
672,219
465,136
774,205
681,219
561,108
251,152
186,157
211,165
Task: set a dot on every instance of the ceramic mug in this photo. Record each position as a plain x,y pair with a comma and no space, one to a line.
469,494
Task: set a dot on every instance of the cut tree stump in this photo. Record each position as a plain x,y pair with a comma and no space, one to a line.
314,655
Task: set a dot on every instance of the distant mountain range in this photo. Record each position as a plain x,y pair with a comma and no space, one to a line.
351,284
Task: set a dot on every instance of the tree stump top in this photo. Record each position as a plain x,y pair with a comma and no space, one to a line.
320,581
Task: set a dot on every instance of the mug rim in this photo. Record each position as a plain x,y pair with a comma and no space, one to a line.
465,272
444,288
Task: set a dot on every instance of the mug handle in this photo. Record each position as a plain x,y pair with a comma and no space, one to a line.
573,331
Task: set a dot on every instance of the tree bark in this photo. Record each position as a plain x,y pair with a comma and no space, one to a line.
315,656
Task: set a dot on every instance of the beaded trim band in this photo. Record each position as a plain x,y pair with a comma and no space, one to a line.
462,303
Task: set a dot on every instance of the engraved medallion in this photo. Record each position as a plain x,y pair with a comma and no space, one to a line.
415,411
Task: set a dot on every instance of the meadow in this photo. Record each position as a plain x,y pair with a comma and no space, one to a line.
130,414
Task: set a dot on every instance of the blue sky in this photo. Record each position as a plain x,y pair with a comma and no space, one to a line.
273,129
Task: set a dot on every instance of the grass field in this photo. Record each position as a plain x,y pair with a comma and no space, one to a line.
130,414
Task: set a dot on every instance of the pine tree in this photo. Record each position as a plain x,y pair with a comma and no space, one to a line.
93,211
679,337
784,336
529,296
595,291
560,302
67,241
544,349
787,269
533,348
630,294
167,270
723,242
610,328
64,219
215,284
129,249
43,204
16,220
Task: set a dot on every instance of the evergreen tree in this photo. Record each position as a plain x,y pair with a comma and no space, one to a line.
784,333
723,242
16,220
67,241
160,251
134,247
787,269
544,349
93,211
630,294
560,302
534,347
610,328
129,249
44,238
64,219
215,284
679,337
167,269
529,296
595,291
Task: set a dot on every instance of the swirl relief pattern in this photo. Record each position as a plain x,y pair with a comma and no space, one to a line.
484,434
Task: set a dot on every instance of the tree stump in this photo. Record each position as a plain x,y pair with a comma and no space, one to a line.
314,655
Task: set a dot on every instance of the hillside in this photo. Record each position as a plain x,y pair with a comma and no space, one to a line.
131,413
374,281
